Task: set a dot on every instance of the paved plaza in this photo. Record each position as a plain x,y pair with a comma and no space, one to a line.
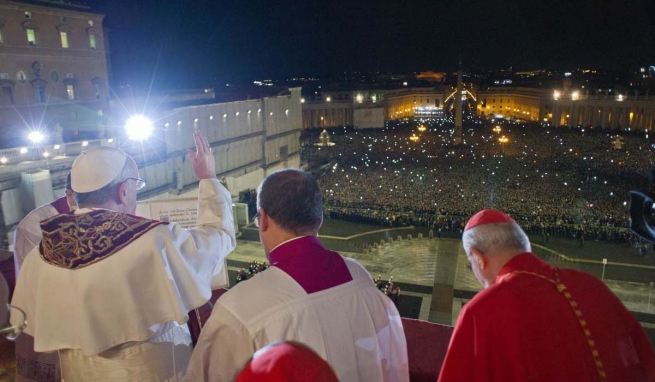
432,272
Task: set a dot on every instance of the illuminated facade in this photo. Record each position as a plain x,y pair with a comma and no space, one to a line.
520,103
330,109
605,110
402,103
327,114
569,107
53,69
561,107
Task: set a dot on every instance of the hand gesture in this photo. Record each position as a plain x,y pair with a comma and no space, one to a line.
204,164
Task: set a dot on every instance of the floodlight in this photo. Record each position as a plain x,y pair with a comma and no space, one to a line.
139,128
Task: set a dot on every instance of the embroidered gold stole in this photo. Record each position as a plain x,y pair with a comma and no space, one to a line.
75,241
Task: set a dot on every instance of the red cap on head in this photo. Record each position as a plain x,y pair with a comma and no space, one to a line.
487,216
287,362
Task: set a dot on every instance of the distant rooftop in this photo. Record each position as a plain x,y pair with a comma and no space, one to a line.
61,4
243,93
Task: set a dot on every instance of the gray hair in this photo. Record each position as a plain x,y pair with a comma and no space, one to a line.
106,193
497,237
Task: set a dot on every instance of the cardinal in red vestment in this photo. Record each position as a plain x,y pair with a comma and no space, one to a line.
536,322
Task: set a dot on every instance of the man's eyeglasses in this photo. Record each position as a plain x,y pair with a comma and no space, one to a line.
140,183
255,220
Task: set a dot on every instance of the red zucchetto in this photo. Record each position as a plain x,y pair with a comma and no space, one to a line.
488,216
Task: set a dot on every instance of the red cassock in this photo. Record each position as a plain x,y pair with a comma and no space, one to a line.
525,328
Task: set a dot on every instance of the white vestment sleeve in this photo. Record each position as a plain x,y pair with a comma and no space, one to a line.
223,349
28,233
214,214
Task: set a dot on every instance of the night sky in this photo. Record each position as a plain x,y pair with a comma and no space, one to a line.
201,42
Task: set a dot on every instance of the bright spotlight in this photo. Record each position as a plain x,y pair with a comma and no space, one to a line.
139,128
35,137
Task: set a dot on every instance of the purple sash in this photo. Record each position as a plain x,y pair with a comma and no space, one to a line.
75,241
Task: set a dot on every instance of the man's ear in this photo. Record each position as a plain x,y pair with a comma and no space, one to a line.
480,258
122,193
70,199
264,220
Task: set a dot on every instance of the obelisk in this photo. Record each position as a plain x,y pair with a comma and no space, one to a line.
457,139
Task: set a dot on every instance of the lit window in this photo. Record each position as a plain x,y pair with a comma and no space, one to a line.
0,36
28,15
70,90
64,39
92,41
90,23
31,36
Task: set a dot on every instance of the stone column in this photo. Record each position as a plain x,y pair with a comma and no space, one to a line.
573,115
556,114
613,117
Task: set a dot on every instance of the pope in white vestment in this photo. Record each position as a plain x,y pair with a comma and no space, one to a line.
110,291
309,294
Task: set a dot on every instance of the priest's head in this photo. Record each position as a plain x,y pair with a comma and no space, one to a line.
106,177
491,238
289,204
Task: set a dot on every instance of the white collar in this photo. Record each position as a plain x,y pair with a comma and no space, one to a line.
86,210
287,241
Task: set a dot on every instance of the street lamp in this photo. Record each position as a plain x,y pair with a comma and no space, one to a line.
497,129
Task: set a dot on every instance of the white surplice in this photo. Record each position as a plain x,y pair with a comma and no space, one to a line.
32,366
353,326
28,233
126,313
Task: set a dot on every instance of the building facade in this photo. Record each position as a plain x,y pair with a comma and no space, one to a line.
565,106
367,108
53,70
570,107
531,104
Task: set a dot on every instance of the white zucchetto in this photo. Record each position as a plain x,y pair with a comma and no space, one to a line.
96,167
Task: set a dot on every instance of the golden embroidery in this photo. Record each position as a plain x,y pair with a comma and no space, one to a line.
578,313
76,241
